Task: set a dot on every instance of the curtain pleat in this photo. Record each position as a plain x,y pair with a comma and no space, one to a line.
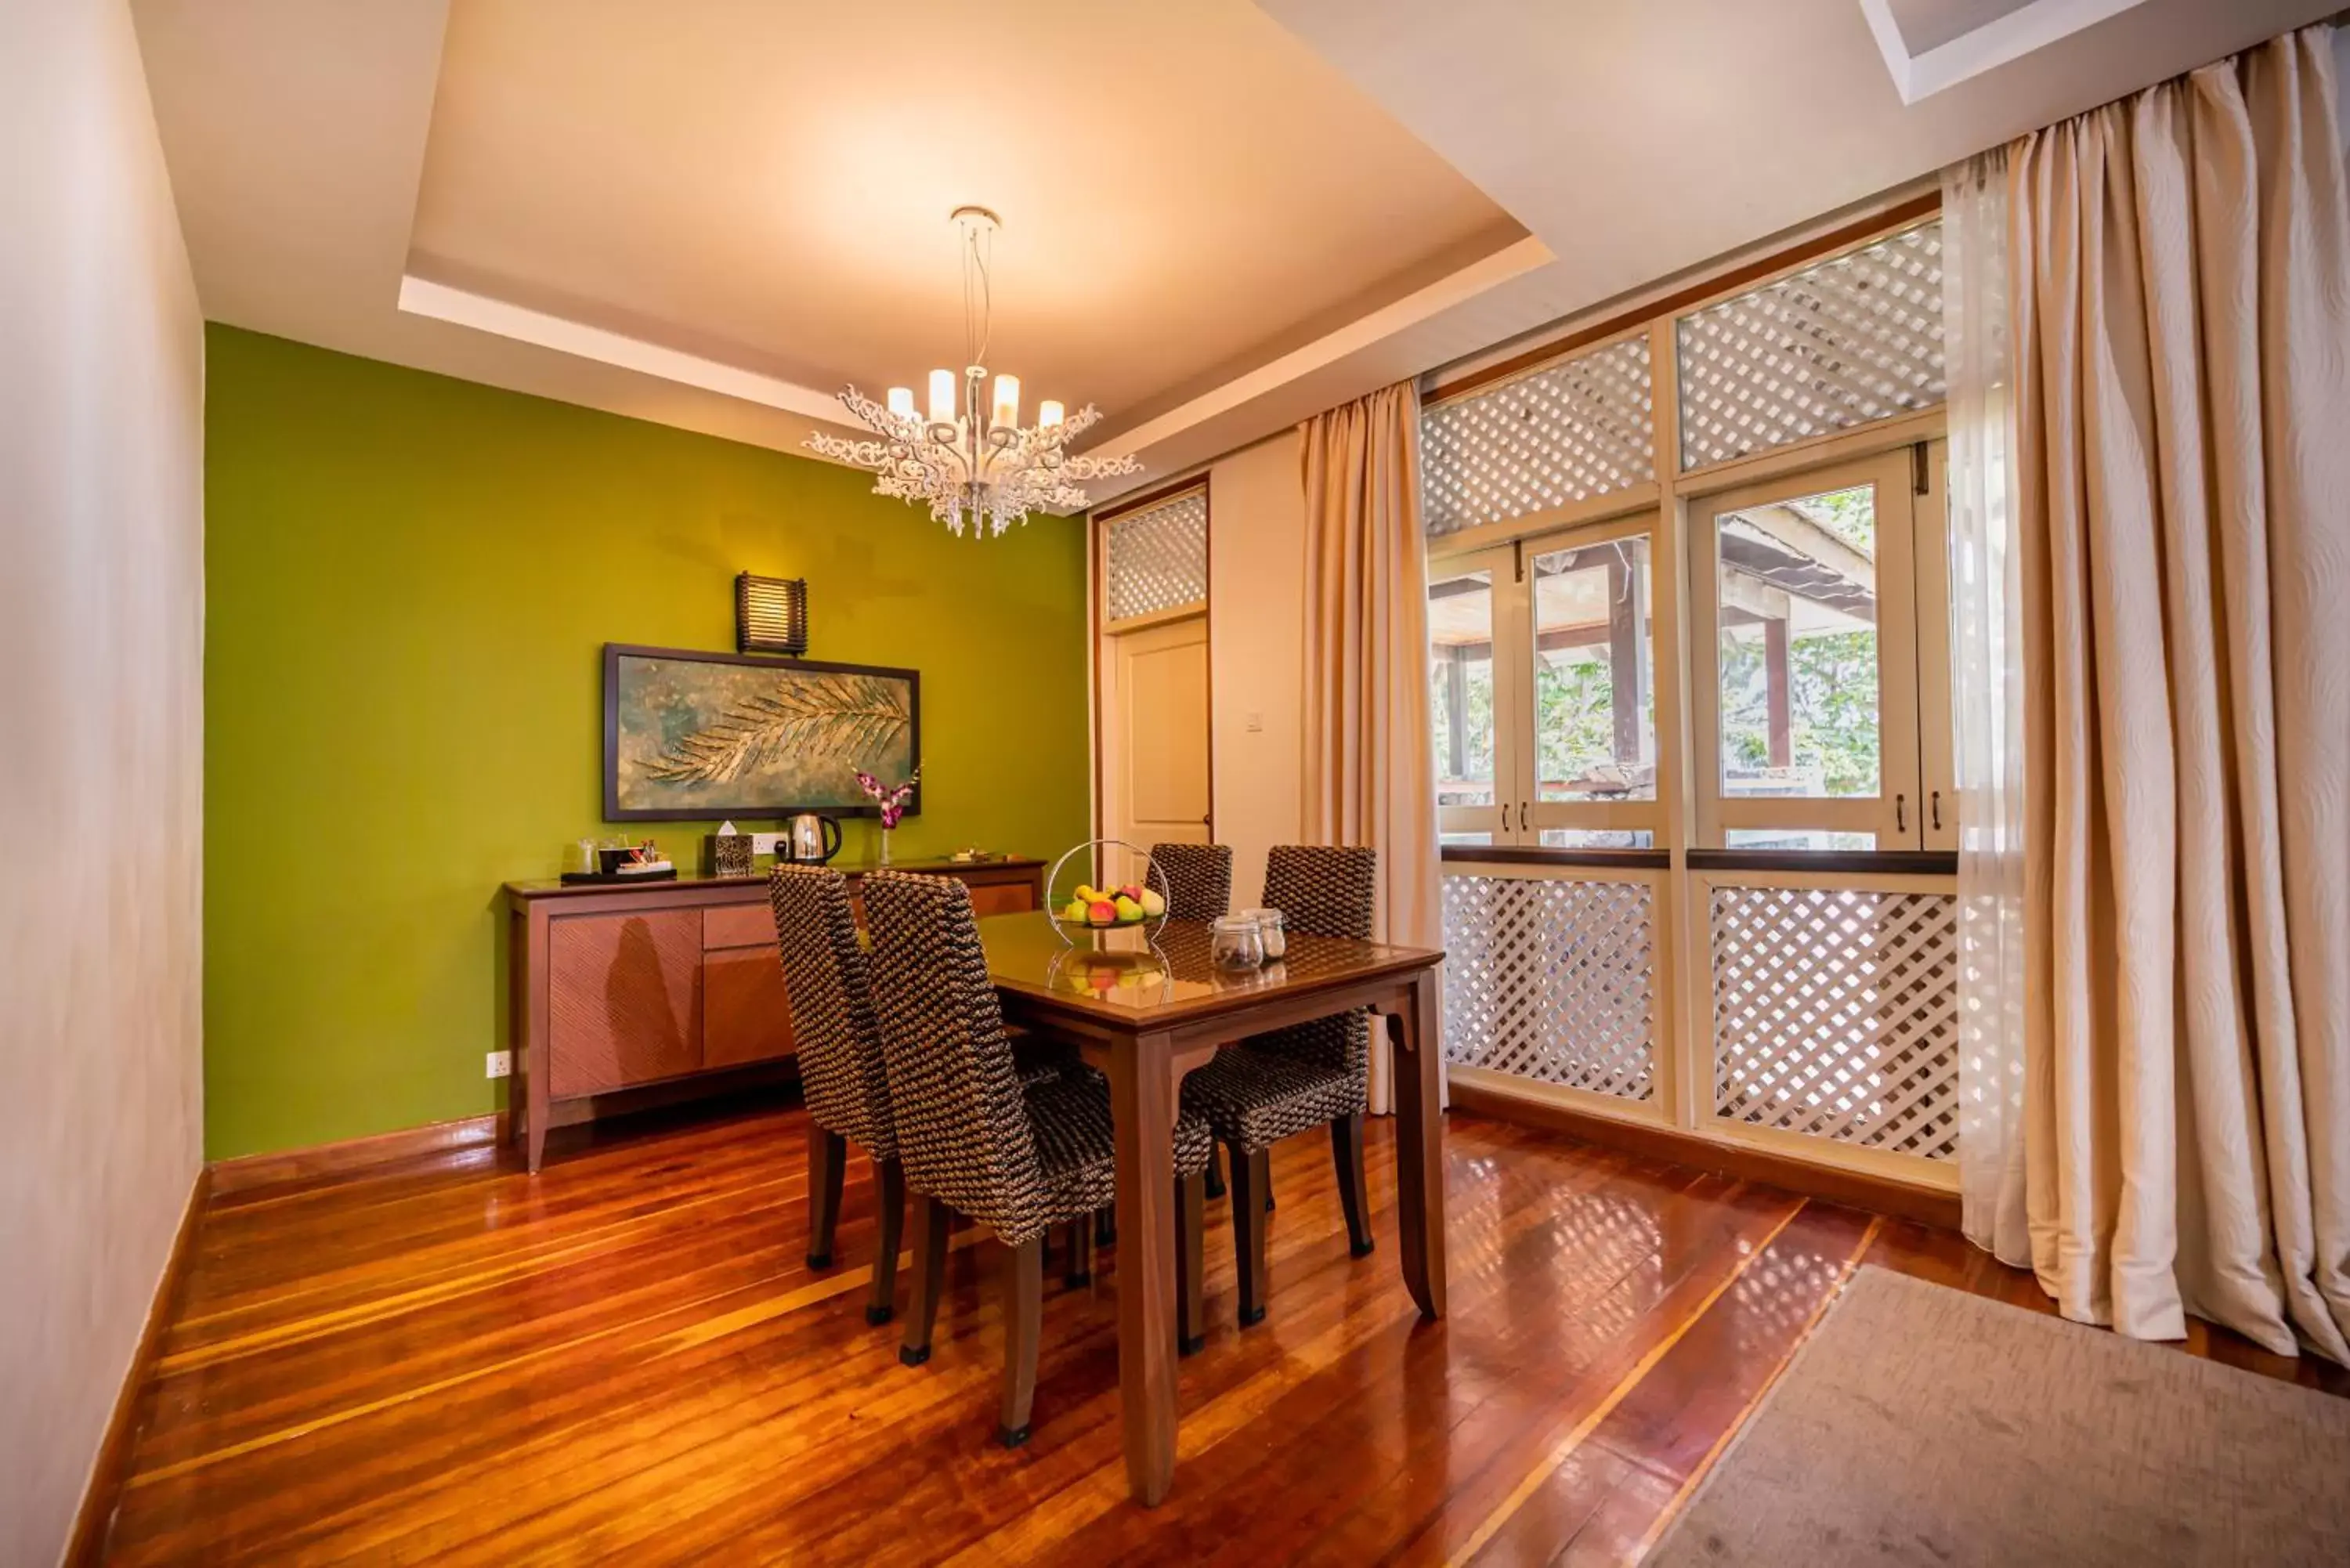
1370,767
2181,315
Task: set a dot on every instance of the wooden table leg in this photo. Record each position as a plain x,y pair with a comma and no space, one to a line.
1420,1145
1142,1079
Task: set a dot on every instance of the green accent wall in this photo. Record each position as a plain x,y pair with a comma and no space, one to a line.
409,583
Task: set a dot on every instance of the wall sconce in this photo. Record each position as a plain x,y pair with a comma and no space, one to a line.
770,615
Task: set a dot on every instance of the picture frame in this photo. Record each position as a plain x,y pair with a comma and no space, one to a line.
692,735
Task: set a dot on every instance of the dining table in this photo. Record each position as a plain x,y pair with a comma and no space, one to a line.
1146,1005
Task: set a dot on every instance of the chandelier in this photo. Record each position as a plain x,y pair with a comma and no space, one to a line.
980,462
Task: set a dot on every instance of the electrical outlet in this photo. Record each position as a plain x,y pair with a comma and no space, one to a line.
765,843
501,1065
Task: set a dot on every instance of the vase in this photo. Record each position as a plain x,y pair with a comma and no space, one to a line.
885,846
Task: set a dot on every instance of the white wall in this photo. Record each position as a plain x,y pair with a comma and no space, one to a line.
101,661
1256,585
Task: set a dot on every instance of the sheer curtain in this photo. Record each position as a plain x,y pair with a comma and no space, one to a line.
1986,596
1369,765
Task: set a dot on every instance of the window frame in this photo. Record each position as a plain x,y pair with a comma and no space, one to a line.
1499,562
1892,815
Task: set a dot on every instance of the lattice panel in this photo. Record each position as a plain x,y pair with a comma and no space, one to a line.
1835,1013
1552,980
1156,559
1574,430
1839,345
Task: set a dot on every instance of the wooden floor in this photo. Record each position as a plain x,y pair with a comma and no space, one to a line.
625,1358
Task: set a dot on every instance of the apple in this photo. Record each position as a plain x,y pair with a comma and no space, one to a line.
1076,913
1127,909
1102,912
1131,890
1153,906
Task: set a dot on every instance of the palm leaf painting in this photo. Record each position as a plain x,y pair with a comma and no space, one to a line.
690,735
848,717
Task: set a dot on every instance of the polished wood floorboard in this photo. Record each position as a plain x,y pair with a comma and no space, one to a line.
625,1358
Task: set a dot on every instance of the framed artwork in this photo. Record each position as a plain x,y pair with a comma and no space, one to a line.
688,735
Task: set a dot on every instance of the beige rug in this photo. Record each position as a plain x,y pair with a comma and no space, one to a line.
1921,1425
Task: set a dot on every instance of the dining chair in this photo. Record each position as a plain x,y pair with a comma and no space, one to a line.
1199,888
842,1075
1016,1159
1199,879
1274,1085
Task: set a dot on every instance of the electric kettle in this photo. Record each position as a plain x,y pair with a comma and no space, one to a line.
811,839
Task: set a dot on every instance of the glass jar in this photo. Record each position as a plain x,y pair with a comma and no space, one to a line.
1273,927
1235,942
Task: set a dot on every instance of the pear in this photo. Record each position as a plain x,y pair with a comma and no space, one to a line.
1129,911
1076,913
1086,893
1153,906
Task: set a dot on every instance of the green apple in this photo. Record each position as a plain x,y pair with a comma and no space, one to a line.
1127,909
1076,913
1153,906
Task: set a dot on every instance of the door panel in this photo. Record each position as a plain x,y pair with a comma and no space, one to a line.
624,999
1157,774
746,1016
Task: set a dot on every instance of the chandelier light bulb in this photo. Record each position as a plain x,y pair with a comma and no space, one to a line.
977,474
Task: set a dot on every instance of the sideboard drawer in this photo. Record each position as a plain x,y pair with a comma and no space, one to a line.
738,925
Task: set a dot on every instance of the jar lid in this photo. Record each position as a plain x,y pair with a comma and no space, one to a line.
1244,922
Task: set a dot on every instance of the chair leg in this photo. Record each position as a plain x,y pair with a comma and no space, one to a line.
1347,1153
1215,1181
1079,1271
1024,1317
827,1155
930,1279
1191,1263
1106,1228
890,1188
1249,1172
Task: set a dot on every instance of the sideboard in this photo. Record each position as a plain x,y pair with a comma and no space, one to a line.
630,995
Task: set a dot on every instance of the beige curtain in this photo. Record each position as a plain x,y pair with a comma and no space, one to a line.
1369,769
2182,317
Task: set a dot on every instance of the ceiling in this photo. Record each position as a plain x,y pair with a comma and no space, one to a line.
1219,216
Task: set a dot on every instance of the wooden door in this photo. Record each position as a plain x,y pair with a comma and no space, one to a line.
624,999
1155,774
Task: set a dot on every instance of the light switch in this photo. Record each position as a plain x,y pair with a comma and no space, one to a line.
1255,722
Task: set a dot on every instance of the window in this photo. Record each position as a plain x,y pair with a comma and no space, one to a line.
1545,690
1807,720
1462,708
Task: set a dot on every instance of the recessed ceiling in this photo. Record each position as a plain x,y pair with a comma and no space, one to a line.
768,185
1220,217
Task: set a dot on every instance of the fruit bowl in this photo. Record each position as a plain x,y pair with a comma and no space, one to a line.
1074,907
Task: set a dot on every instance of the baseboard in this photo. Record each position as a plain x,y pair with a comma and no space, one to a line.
248,1172
95,1515
1859,1189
